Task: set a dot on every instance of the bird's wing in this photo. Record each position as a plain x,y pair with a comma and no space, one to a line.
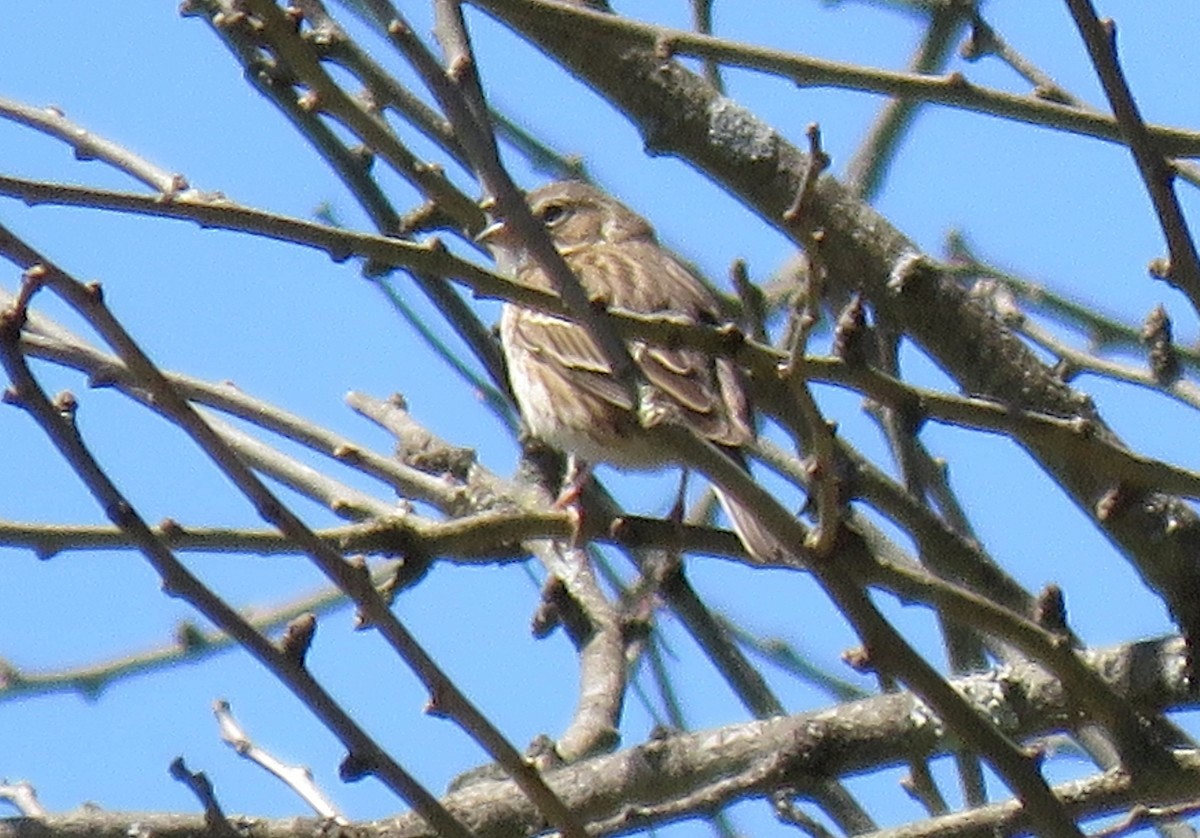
568,349
686,385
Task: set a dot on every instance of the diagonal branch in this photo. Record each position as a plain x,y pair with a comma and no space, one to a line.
1158,533
1101,39
53,419
88,302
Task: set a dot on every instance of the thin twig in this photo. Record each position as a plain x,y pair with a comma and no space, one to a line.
354,580
477,139
90,146
868,164
296,777
1100,38
176,577
952,90
201,787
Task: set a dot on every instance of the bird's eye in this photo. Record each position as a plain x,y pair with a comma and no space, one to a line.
552,213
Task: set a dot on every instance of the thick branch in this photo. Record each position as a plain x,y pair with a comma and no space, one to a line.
750,759
681,114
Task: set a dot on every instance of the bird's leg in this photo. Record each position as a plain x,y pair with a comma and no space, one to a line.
680,507
574,480
570,496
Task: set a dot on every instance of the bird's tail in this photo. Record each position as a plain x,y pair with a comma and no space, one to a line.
762,546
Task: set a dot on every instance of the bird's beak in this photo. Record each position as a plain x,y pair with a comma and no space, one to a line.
490,233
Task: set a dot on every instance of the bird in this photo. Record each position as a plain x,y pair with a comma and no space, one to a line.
565,388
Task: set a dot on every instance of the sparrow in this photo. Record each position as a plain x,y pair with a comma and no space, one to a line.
564,386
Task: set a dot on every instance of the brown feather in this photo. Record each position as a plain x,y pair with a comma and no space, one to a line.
563,383
636,274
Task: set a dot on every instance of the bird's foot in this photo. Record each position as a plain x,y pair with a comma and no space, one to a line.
574,482
570,497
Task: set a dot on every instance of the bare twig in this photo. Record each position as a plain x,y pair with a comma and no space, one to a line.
602,648
176,578
1100,38
867,166
23,796
296,777
90,146
354,580
353,166
476,137
952,90
201,786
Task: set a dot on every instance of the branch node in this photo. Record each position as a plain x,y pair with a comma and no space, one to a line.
1157,335
298,637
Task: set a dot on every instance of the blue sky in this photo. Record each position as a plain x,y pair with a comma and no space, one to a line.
291,327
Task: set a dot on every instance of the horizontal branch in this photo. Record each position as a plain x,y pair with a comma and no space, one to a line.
717,767
952,89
